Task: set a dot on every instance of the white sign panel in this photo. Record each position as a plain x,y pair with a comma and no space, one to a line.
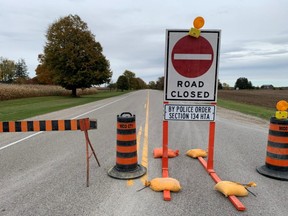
181,112
191,66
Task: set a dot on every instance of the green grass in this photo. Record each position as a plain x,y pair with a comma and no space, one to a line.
18,109
261,112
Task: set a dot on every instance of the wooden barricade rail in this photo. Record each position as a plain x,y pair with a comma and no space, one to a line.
45,125
56,125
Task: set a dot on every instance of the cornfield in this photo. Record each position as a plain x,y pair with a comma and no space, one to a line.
14,91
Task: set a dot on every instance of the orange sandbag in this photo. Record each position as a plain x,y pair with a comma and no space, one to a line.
195,153
161,184
158,153
229,188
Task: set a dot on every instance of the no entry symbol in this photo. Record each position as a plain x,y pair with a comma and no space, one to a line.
192,57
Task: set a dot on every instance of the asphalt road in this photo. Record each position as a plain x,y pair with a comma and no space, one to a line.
44,173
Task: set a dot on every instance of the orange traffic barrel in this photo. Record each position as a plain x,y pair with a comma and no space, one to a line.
276,164
127,166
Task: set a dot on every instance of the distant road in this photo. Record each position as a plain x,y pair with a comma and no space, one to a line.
44,173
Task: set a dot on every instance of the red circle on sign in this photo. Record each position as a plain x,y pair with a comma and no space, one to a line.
192,57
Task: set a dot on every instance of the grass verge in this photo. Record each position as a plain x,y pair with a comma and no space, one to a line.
258,111
18,109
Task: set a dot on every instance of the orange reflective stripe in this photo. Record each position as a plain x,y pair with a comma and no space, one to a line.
74,124
277,127
279,151
126,137
277,139
126,149
48,124
11,126
126,161
275,162
61,125
24,126
36,126
1,126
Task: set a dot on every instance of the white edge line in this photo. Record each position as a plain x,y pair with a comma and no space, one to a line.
11,144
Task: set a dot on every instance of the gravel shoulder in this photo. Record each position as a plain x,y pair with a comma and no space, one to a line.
241,117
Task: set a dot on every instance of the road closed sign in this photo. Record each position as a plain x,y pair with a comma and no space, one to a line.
191,67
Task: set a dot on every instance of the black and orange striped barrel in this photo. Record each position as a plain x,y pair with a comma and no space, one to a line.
126,150
277,147
276,163
127,166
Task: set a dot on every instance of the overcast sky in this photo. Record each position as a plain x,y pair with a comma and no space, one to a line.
254,33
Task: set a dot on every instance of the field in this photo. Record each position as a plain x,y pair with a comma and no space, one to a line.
14,91
39,99
262,98
24,101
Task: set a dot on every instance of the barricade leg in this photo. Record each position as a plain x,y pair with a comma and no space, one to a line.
210,160
208,166
88,156
233,199
84,126
165,172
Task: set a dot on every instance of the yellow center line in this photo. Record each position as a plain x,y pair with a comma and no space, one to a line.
138,138
144,161
130,182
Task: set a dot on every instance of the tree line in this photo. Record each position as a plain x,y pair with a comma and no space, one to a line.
129,81
13,72
241,83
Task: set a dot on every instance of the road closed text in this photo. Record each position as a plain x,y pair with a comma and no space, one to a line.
190,94
189,112
199,93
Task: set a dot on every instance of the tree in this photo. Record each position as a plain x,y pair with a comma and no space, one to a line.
7,70
73,55
122,83
21,71
243,83
112,86
130,76
152,85
160,83
219,84
141,83
138,83
225,86
43,74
